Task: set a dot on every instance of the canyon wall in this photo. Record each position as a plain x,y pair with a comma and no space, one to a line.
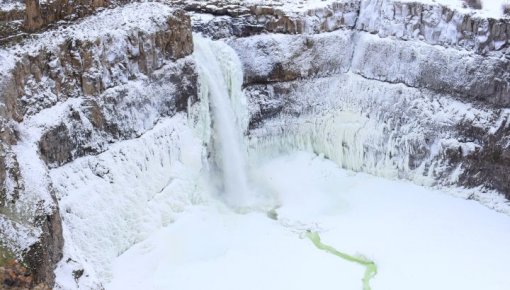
424,88
73,92
96,110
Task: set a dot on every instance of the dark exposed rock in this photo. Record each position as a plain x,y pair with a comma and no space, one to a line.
14,276
177,41
38,15
490,165
77,274
506,9
42,256
56,146
475,4
11,15
11,22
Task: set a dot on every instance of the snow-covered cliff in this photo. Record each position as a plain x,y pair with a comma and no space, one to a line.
72,92
424,100
101,139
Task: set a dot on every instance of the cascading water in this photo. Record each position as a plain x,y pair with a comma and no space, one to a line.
224,109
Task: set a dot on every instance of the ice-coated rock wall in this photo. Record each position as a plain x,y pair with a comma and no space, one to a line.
115,199
73,91
434,24
446,121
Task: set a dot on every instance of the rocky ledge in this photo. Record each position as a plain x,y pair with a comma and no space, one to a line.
406,20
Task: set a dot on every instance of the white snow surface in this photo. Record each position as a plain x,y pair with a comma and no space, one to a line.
8,5
419,238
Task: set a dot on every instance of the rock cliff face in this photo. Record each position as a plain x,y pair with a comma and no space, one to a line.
397,89
73,91
38,15
399,67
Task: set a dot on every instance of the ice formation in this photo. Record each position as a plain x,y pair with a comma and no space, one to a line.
221,77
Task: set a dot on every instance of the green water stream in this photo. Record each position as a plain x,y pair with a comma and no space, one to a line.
371,268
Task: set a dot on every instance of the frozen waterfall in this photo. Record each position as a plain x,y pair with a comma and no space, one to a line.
224,109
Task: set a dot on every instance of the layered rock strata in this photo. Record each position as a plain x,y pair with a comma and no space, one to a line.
73,91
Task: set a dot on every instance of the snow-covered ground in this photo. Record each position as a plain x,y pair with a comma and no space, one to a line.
8,5
419,238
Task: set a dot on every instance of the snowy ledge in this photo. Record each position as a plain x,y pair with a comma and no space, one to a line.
444,23
490,8
146,17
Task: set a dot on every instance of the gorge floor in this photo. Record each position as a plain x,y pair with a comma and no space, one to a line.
420,238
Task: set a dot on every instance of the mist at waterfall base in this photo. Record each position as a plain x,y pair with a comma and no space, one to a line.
420,238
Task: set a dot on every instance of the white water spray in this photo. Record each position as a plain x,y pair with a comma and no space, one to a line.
221,77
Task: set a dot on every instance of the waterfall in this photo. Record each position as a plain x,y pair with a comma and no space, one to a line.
224,111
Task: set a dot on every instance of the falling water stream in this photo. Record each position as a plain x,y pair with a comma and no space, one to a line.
220,73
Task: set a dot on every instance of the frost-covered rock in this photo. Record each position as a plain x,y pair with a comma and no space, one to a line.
252,17
72,91
277,58
428,21
87,59
386,129
434,24
473,152
92,112
115,199
460,73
